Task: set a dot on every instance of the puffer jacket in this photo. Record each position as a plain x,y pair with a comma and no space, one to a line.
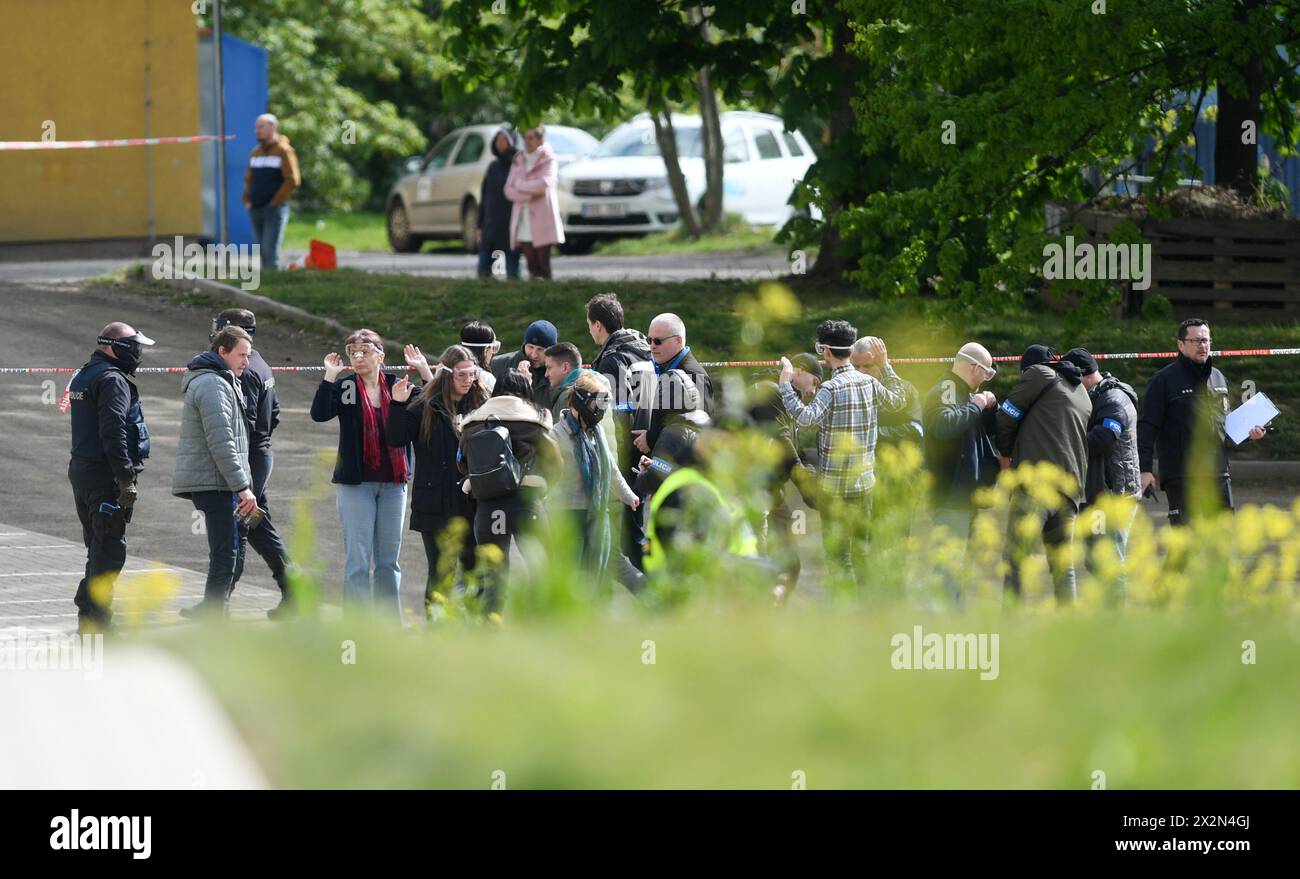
1112,440
1045,418
530,438
212,454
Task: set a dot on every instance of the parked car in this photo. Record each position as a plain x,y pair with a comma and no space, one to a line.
622,189
438,197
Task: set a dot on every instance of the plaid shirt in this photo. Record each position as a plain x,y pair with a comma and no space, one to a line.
845,407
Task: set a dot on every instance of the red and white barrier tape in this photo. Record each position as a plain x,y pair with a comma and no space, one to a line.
716,364
16,145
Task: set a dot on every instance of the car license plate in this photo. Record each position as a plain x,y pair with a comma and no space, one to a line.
600,209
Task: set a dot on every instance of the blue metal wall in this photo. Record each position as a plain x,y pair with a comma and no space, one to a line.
244,69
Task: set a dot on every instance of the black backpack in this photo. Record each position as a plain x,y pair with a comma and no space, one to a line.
494,470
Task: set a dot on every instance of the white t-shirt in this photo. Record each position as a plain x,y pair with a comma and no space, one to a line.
525,231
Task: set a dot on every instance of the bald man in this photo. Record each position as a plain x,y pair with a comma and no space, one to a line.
109,446
271,178
958,420
895,427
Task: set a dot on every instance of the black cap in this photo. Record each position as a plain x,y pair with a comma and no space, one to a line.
1036,354
808,363
1083,359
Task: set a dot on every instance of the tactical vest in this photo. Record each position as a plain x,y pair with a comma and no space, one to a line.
84,399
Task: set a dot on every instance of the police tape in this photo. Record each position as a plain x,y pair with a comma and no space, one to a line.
714,364
20,145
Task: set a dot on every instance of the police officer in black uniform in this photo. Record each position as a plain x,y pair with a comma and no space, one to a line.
262,410
1185,400
110,443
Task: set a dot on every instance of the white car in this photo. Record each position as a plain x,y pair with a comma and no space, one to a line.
438,198
622,188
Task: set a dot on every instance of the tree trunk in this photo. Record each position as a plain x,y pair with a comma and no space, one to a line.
667,140
1236,163
843,143
711,144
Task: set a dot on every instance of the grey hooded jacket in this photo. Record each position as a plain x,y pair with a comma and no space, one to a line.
213,451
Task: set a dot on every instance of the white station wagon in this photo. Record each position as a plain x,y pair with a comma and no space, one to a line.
622,187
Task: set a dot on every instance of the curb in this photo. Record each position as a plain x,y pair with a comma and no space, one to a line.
262,305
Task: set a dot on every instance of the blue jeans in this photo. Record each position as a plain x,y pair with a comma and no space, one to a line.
371,514
268,231
225,543
485,262
1118,594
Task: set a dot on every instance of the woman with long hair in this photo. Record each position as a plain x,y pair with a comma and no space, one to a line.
428,418
500,519
369,475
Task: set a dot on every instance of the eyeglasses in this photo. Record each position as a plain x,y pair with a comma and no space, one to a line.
472,372
660,341
356,351
991,370
1205,341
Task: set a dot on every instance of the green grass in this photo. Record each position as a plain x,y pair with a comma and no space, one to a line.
746,700
727,320
359,230
737,236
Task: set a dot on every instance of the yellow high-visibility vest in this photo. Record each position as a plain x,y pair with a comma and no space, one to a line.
742,542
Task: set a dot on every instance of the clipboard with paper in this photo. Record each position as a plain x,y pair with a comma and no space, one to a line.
1258,410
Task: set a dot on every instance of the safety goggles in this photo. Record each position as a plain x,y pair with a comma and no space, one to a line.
822,348
990,371
356,352
462,374
657,341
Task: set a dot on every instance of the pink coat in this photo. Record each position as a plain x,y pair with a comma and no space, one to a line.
534,191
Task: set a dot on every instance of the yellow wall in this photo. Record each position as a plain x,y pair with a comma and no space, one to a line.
82,64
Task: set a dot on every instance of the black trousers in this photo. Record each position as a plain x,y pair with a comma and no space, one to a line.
265,539
496,523
442,571
1176,491
103,530
1057,533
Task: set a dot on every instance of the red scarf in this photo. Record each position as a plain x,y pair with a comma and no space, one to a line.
370,441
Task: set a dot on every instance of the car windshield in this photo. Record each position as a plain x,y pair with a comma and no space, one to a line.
639,140
569,142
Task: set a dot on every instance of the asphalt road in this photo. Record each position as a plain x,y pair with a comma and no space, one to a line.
55,325
666,267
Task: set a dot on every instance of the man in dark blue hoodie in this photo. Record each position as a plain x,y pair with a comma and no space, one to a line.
494,207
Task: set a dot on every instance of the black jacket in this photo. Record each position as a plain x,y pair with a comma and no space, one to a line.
615,360
1178,398
261,406
108,429
503,363
435,489
1112,440
958,444
903,425
330,403
493,206
653,420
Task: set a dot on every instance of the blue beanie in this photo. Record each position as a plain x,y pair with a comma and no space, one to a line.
541,332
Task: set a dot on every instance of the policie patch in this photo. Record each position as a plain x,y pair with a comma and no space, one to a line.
1112,425
1011,410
